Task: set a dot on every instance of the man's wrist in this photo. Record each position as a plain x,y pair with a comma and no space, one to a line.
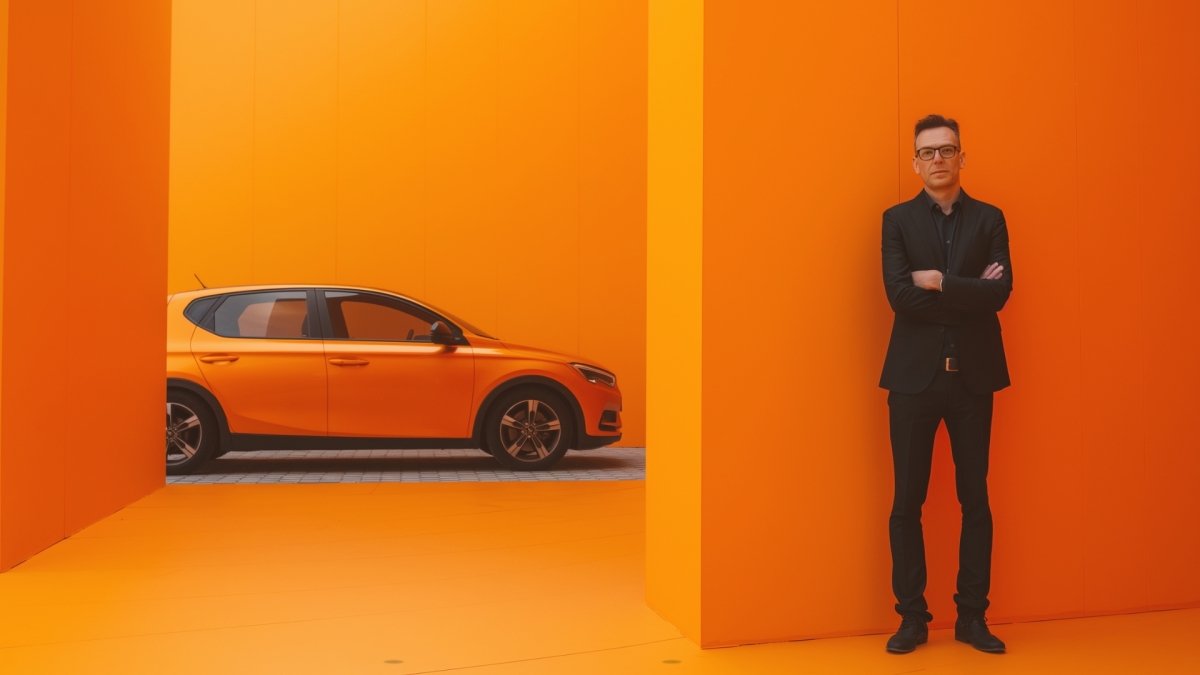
941,282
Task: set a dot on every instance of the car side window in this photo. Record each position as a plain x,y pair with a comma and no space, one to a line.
275,314
198,309
366,316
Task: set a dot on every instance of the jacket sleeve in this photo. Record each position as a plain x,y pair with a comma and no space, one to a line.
982,295
904,297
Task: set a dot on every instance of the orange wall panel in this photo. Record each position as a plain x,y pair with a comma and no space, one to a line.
36,218
3,185
464,226
799,126
381,139
116,245
1114,395
84,261
1017,111
1161,154
295,141
674,294
3,182
212,143
485,156
808,113
538,148
611,259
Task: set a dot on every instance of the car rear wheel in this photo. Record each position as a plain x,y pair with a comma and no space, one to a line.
529,429
191,433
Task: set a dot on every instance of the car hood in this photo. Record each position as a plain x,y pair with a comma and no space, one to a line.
550,355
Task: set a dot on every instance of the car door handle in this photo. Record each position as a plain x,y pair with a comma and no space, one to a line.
348,362
218,358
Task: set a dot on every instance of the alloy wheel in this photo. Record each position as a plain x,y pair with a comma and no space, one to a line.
184,433
530,430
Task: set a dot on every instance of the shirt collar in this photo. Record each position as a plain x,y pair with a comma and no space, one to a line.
929,203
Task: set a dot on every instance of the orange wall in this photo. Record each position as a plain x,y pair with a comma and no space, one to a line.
674,244
84,245
3,184
795,466
486,156
1095,465
808,111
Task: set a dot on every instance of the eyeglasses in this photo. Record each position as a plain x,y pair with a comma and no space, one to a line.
946,151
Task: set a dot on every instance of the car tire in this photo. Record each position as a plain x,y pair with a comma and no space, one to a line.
528,429
192,436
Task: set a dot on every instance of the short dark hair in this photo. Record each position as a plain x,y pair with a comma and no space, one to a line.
935,122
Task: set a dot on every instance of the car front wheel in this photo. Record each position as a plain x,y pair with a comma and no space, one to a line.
529,429
191,433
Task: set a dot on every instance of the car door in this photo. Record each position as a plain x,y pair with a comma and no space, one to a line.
262,356
386,377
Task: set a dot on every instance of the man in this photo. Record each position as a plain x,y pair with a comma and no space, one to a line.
947,272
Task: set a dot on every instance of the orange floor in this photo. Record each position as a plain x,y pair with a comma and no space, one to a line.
493,578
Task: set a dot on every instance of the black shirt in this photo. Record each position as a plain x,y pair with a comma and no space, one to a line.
947,226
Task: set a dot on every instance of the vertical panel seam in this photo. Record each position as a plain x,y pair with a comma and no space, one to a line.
899,121
578,178
495,8
1083,577
425,155
337,136
337,165
700,333
70,191
253,132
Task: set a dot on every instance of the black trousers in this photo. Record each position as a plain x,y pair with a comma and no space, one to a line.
914,421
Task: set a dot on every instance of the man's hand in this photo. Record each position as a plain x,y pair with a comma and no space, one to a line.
930,280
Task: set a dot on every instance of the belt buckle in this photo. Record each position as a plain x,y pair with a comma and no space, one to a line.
951,364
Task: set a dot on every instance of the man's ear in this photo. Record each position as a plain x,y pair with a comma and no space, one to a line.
916,169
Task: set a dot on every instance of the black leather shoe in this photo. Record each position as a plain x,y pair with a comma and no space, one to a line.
974,631
913,631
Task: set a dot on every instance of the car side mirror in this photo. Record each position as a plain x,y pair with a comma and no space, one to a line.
440,334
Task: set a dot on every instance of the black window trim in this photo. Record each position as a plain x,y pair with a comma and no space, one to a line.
327,325
208,321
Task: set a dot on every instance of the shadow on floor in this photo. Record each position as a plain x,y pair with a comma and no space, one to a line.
247,463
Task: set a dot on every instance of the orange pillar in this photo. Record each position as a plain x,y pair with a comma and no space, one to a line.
84,264
778,133
771,158
674,246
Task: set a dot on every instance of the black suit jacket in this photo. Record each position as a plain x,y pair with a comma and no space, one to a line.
970,304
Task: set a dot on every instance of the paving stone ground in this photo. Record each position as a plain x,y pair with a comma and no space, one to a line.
409,466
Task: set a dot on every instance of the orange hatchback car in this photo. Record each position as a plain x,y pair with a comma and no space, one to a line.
341,367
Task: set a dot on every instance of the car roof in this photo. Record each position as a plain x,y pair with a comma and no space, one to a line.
220,290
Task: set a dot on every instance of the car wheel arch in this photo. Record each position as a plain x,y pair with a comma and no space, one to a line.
537,381
211,401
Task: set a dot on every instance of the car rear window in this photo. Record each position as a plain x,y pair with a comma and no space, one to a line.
275,314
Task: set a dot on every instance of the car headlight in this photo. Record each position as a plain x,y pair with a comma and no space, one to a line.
594,374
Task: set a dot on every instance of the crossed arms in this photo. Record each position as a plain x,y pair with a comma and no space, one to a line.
932,296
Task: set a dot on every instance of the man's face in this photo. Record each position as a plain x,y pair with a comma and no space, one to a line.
938,172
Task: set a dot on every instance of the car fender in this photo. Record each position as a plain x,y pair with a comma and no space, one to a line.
526,380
